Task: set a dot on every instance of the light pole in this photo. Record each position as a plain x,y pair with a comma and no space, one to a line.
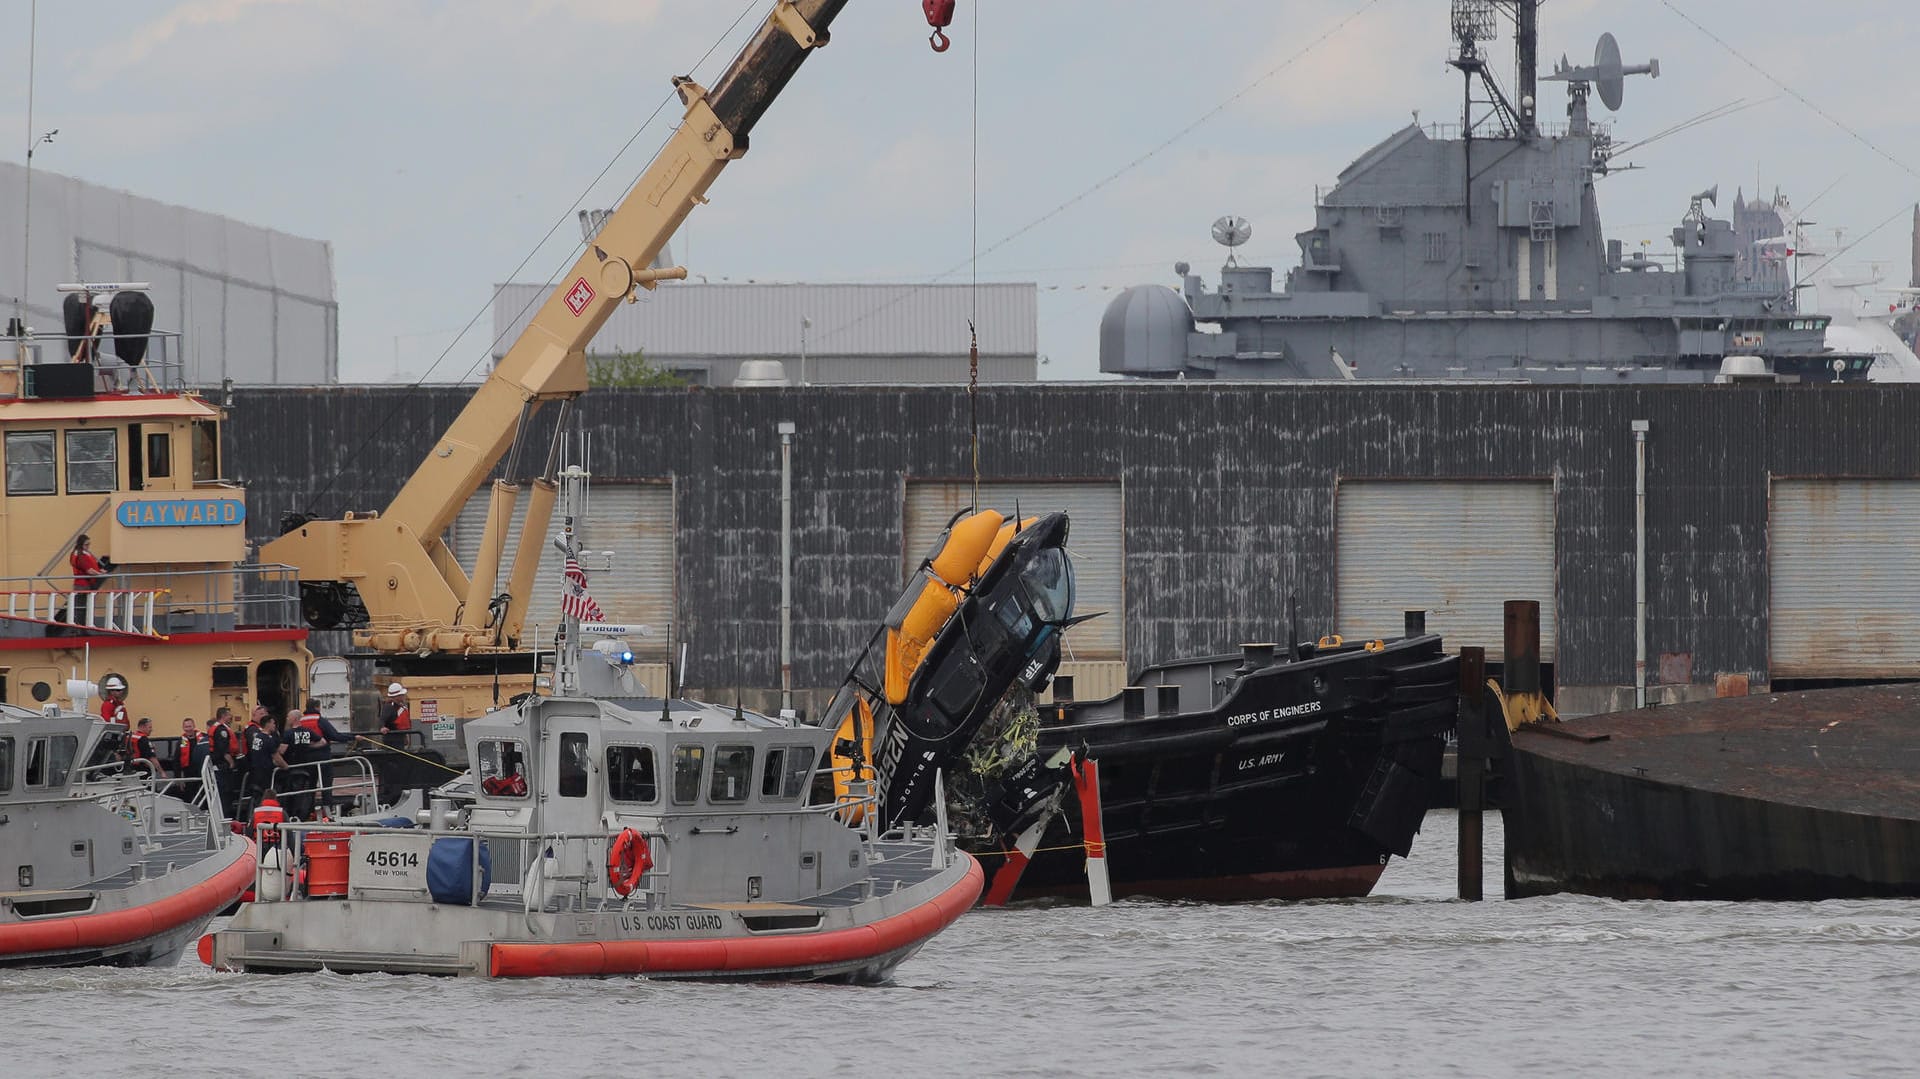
805,324
786,568
26,230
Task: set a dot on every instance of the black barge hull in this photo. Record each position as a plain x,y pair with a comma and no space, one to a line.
1298,783
1799,796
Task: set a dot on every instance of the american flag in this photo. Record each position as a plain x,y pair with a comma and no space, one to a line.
574,601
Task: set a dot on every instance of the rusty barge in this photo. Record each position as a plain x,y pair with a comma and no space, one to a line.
1812,795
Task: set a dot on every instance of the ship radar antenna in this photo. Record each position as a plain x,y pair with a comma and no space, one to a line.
1230,232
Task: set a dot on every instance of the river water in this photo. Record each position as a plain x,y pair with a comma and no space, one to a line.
1408,982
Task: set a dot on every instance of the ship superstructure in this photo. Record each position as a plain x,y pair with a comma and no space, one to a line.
1476,251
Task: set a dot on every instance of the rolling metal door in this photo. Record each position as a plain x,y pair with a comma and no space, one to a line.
1845,562
635,522
1455,549
1093,542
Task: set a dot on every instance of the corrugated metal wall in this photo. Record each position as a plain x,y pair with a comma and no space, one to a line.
1229,496
634,521
1493,538
1846,578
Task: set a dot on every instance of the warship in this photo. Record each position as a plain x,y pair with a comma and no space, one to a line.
1475,251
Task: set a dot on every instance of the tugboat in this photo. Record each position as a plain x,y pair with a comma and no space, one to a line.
104,443
105,863
1259,776
604,830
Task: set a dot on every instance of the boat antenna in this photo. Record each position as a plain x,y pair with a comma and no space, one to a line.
26,229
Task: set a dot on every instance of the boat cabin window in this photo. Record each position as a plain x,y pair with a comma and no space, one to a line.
573,765
30,463
206,451
732,775
630,774
503,768
93,465
688,760
50,759
785,776
6,764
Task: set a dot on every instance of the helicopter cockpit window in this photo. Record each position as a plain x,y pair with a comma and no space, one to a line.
1049,581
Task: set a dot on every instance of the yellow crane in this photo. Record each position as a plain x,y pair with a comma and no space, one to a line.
393,565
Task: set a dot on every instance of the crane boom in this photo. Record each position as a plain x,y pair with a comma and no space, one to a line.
415,594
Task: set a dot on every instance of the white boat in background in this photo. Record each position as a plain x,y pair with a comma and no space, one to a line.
104,864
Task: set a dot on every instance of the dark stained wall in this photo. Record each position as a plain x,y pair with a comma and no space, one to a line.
1229,494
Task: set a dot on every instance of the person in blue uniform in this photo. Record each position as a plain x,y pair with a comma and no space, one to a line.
309,742
265,754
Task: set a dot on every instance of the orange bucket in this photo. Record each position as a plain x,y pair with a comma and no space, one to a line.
327,862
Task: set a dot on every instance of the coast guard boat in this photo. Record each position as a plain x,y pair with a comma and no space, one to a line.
102,863
604,830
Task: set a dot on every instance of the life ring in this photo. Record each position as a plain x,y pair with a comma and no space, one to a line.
628,858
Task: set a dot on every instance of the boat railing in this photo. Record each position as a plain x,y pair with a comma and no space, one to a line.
539,868
328,778
158,603
163,370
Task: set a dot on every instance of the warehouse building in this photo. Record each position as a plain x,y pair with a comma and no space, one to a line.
818,334
251,304
1782,536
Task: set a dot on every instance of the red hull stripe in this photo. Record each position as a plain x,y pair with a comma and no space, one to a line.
110,928
119,640
744,954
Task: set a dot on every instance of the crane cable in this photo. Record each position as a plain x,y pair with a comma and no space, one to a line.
973,331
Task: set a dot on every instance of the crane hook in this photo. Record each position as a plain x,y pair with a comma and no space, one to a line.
939,16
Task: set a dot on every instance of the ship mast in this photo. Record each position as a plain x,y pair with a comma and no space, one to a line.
1475,21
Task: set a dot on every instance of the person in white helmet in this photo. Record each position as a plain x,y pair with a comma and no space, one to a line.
395,717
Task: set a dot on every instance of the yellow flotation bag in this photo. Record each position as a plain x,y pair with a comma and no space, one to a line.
1000,540
939,587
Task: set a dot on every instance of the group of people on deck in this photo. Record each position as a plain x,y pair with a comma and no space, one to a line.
267,758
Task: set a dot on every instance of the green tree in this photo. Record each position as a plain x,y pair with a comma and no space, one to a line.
628,369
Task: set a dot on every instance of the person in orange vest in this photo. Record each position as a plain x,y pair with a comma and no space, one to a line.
193,752
267,819
143,746
395,717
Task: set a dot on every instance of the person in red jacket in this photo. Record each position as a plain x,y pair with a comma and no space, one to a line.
89,573
395,717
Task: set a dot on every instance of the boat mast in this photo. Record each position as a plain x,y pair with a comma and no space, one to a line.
566,664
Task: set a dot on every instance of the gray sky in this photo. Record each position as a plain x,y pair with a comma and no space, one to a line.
435,143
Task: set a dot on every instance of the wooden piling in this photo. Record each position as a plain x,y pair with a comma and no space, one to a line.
1470,762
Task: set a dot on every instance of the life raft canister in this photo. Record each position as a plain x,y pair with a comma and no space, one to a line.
628,858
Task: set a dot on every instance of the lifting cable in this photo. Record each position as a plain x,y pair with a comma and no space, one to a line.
394,409
973,332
